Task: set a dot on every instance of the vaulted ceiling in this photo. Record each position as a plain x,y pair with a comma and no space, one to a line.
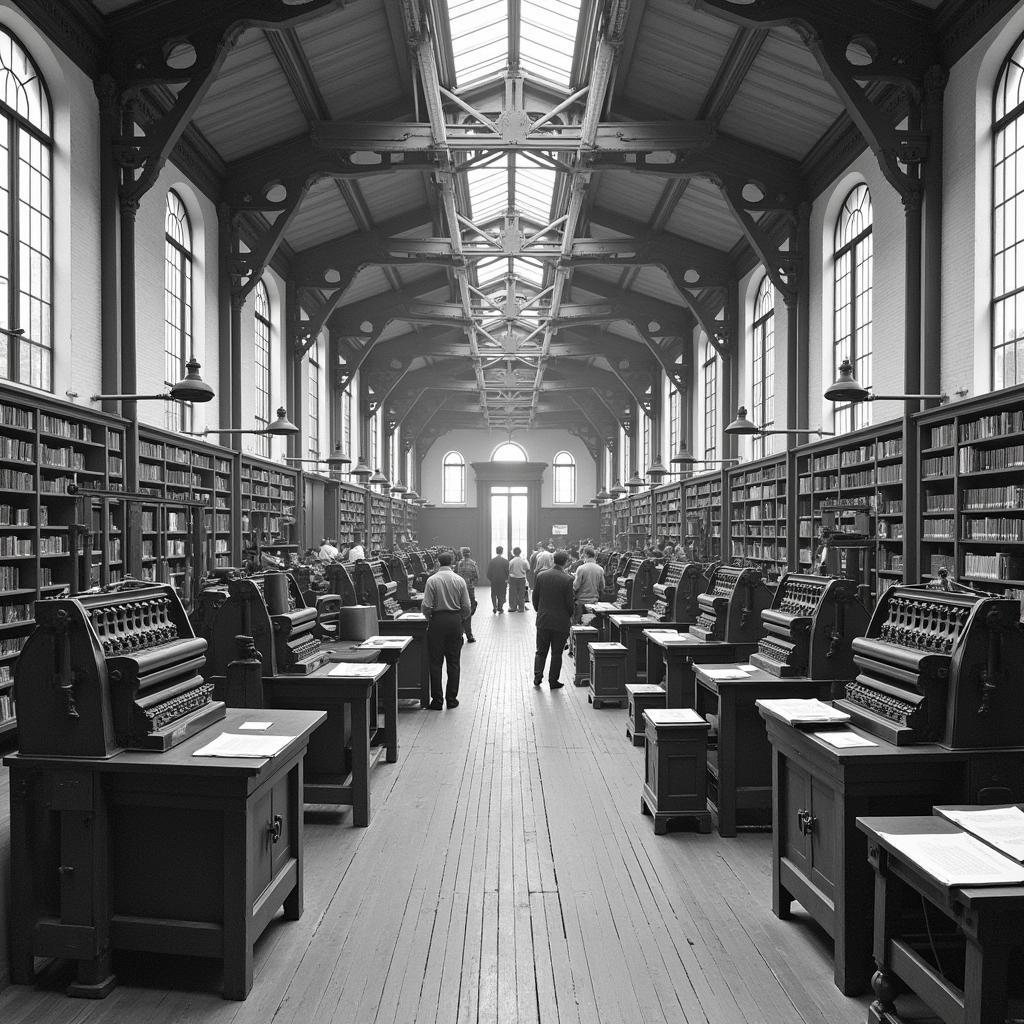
514,212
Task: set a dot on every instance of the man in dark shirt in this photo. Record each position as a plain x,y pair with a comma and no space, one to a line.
553,602
497,574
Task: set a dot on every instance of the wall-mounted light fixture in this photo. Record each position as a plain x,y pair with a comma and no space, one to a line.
848,389
741,426
191,388
281,427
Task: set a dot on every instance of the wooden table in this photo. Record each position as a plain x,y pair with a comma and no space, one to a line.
159,852
820,858
602,612
391,649
982,929
341,753
674,655
414,667
740,764
629,630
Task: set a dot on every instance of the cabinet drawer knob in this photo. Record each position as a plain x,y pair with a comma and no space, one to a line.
805,822
275,828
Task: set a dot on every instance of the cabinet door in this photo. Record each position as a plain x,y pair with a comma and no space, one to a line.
283,813
823,833
794,798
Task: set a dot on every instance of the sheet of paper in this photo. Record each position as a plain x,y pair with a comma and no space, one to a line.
724,673
845,738
797,710
749,669
1001,827
256,726
385,641
230,744
958,859
350,670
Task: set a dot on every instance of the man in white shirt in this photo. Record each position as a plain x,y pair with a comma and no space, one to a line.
356,553
517,570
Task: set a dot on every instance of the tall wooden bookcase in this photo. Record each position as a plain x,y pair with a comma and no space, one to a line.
757,511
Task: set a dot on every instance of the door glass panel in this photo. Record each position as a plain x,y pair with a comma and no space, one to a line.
499,520
518,523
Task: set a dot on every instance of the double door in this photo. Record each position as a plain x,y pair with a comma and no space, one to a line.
510,518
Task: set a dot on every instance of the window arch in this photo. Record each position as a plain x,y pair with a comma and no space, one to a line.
177,305
709,372
261,367
26,230
852,330
509,451
763,364
564,478
453,479
1008,234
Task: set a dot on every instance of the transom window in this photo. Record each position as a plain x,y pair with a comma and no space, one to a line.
852,332
564,478
261,367
763,368
1008,224
26,220
509,452
177,305
709,371
453,479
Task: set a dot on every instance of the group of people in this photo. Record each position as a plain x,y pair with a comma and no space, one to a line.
558,597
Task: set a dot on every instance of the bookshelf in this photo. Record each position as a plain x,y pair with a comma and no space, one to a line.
640,518
268,505
403,520
376,521
863,469
351,513
607,519
45,447
702,516
757,515
972,492
668,512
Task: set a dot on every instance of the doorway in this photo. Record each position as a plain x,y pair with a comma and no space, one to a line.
509,514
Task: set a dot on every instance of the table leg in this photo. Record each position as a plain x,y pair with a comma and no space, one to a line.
727,754
985,981
22,911
361,760
293,901
238,868
388,693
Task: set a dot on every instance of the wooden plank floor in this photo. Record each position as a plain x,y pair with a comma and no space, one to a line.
507,875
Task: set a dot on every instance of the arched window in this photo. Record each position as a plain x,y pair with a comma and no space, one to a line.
346,422
763,364
564,478
177,305
26,220
261,368
709,371
313,402
509,452
1007,226
852,302
453,479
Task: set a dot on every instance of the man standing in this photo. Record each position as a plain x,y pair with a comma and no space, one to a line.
552,598
586,584
446,607
544,560
497,574
468,570
517,570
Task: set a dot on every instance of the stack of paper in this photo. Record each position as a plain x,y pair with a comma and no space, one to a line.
957,859
1000,827
230,744
798,711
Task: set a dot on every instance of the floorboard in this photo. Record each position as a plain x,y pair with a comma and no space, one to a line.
507,876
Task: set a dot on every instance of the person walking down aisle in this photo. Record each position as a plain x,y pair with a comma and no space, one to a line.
552,598
497,574
447,608
517,570
468,570
586,584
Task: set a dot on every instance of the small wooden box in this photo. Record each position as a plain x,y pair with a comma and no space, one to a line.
639,698
676,767
580,638
607,674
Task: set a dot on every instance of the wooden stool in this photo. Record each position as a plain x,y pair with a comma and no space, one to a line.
676,768
640,697
607,674
580,638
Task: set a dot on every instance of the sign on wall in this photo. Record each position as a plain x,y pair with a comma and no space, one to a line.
560,530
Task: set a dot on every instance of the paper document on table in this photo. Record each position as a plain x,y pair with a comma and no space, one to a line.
256,726
1001,827
230,744
724,673
353,670
957,859
844,738
803,711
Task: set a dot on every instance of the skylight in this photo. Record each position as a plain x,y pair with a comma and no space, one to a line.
547,36
531,193
479,39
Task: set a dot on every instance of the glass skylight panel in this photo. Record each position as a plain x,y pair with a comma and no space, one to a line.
488,190
479,31
535,187
547,37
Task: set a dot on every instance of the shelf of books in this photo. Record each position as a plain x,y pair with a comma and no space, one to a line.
351,513
268,510
47,449
861,473
640,518
972,492
376,521
403,521
702,517
606,510
668,513
757,515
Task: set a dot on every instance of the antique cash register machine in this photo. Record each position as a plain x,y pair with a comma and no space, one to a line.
109,848
374,586
937,715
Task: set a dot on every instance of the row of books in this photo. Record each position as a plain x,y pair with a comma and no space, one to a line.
21,612
1009,497
1001,565
993,528
7,706
937,465
14,515
12,546
12,644
15,450
13,416
64,458
60,427
977,460
10,577
995,425
55,545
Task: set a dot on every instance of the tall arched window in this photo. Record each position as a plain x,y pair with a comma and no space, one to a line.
453,479
564,478
709,370
346,423
852,302
177,305
509,452
675,410
763,364
313,402
26,219
1007,226
261,368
